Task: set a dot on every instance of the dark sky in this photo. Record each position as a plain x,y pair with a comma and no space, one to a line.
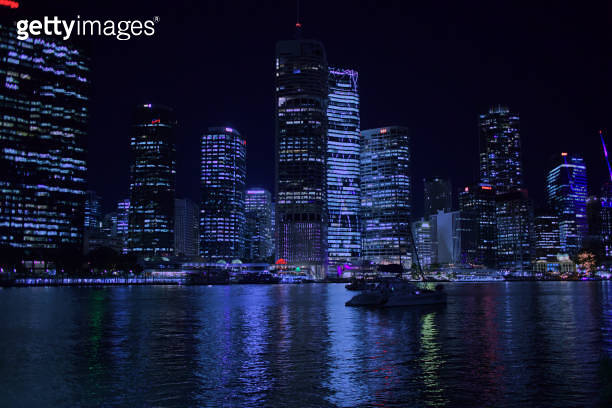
431,66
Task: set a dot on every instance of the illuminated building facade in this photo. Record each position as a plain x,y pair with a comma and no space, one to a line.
222,183
437,195
477,225
386,196
546,229
92,211
343,193
186,227
515,233
301,82
566,193
152,188
259,244
500,150
44,89
422,232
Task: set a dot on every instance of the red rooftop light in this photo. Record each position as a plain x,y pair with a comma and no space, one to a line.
9,3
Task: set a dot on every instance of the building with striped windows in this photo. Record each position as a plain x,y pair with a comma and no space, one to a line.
343,191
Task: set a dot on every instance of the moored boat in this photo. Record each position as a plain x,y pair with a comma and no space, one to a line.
396,293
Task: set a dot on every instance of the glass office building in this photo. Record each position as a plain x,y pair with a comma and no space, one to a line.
500,150
386,196
477,225
515,232
152,188
222,183
301,95
44,90
259,245
343,191
566,193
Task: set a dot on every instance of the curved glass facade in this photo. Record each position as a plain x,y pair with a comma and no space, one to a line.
222,182
301,81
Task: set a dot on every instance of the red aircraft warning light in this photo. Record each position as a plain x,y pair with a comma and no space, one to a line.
9,3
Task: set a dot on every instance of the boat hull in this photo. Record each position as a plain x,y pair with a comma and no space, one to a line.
397,300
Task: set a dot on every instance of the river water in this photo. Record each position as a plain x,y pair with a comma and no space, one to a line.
515,344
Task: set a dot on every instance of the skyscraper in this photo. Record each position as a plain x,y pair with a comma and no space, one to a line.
546,227
343,193
186,227
301,82
437,195
258,237
500,150
43,123
93,215
477,225
222,183
386,196
566,193
151,225
515,233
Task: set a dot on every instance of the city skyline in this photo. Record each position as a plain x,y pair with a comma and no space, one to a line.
554,112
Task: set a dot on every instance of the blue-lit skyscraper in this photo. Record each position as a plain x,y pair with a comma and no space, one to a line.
386,196
566,193
343,191
301,82
259,234
153,174
500,150
222,183
44,89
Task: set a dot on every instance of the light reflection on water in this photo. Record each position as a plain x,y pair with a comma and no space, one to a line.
498,344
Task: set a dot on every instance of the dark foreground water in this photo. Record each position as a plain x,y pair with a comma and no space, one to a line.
499,344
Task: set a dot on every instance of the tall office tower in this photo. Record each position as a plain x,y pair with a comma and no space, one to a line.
437,195
386,196
422,232
566,193
258,237
186,227
477,225
546,230
446,237
222,183
500,150
301,82
343,201
43,123
515,233
93,215
153,178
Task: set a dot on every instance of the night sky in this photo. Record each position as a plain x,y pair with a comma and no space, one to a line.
432,66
